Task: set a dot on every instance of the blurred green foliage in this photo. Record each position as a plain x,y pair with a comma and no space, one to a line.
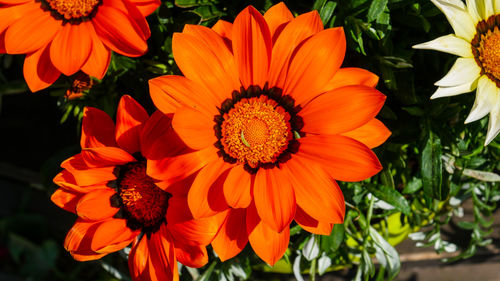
433,163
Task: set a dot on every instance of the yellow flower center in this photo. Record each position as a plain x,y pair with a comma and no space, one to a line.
143,203
72,9
256,131
486,48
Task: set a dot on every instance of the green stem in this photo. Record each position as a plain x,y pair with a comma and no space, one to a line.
312,270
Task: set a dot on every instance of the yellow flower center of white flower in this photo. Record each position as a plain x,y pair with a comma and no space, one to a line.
486,48
72,9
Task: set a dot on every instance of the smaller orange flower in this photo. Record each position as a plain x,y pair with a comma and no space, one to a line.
67,36
117,203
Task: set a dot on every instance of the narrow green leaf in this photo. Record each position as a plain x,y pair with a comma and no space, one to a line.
412,186
327,11
391,196
376,8
431,167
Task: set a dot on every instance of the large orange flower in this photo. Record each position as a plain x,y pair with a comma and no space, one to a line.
65,36
273,120
117,203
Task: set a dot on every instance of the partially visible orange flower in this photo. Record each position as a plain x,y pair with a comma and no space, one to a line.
117,203
273,121
65,36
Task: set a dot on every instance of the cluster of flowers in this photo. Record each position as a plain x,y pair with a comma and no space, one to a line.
252,137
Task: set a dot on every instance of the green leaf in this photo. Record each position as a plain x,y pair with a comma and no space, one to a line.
327,11
431,167
412,186
332,242
391,196
206,275
466,225
376,8
192,3
386,254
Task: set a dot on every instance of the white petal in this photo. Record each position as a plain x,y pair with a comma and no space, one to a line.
458,16
455,90
494,124
474,7
450,44
488,8
496,5
486,95
464,70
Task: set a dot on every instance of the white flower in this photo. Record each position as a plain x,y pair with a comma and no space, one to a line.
477,42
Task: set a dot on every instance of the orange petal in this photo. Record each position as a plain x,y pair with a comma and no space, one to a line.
274,198
31,32
197,231
66,180
66,199
203,57
206,198
86,257
39,72
341,110
96,205
129,119
162,261
314,64
237,187
75,162
173,169
133,12
116,30
189,255
94,176
372,134
146,7
171,92
99,59
98,129
178,210
251,47
343,158
225,30
159,140
194,128
268,244
315,192
112,235
232,237
105,156
12,13
276,17
352,76
138,258
71,47
292,35
311,225
78,237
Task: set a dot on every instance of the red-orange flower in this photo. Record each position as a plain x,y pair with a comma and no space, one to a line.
64,36
117,203
274,121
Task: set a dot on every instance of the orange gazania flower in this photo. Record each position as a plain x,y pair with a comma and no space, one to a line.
117,203
64,36
274,121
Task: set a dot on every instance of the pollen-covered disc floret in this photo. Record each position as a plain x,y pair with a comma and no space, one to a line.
256,128
486,48
142,203
71,10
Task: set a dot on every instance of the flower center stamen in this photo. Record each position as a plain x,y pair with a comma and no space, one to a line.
257,128
143,203
486,48
71,10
